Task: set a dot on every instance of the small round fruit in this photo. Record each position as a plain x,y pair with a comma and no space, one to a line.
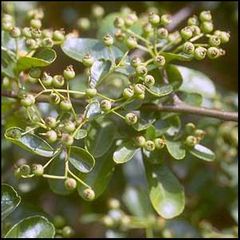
51,122
67,232
140,141
119,35
131,42
31,44
65,105
28,100
119,22
149,145
69,126
200,53
69,73
188,48
97,11
128,93
58,81
15,32
83,24
224,36
149,80
190,127
140,96
35,72
141,70
135,61
213,52
26,32
88,194
191,141
91,92
54,98
108,40
205,16
165,19
36,23
58,36
159,143
70,184
108,221
88,60
214,41
51,136
162,33
192,21
7,26
160,60
47,43
186,33
148,29
47,80
199,133
113,203
131,118
105,105
154,19
24,170
67,139
59,221
37,169
139,89
206,27
195,30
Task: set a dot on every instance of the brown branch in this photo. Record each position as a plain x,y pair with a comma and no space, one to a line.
180,107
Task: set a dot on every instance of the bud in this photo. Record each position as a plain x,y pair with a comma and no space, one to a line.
160,60
140,141
97,11
58,36
162,33
51,136
91,92
65,105
69,73
131,118
193,21
214,41
36,23
105,105
15,32
165,19
51,122
213,52
113,203
88,194
191,141
149,80
119,22
119,35
186,33
188,48
24,170
206,27
205,16
141,70
136,61
108,40
200,53
47,43
128,93
131,42
28,100
31,44
70,184
69,126
47,80
159,143
147,29
37,169
154,19
88,60
149,145
83,24
130,19
58,81
67,139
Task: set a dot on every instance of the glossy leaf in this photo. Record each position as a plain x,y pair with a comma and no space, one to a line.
100,176
9,200
174,76
82,160
124,153
143,124
165,191
42,58
81,133
92,109
32,227
100,138
194,99
175,148
173,56
77,48
160,91
8,42
203,153
30,142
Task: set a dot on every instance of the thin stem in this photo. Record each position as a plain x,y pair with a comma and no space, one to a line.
49,161
31,129
40,81
137,36
53,176
78,179
118,114
107,98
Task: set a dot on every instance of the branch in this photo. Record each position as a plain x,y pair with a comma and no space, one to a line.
180,107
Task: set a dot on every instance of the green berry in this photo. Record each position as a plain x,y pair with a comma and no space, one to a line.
91,92
186,33
213,52
200,53
206,27
108,40
148,29
190,127
214,41
191,141
140,96
149,80
139,89
31,44
70,184
54,98
119,22
58,36
193,21
36,23
37,169
7,26
195,30
59,221
47,80
88,194
51,122
154,19
174,37
128,93
119,35
69,73
188,48
159,143
28,100
15,32
47,33
130,19
97,11
6,82
135,61
24,170
108,221
165,19
162,33
58,81
67,232
65,105
51,136
205,16
199,133
47,43
69,126
131,118
113,203
140,141
7,18
141,70
88,60
35,72
131,42
67,139
160,60
149,145
83,24
36,33
105,105
224,36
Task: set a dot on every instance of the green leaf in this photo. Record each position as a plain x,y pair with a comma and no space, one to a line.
30,142
143,124
100,138
32,227
165,191
194,99
174,76
173,56
77,48
42,58
81,133
98,70
82,160
92,109
9,200
203,153
100,176
196,82
160,91
8,42
124,153
175,148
